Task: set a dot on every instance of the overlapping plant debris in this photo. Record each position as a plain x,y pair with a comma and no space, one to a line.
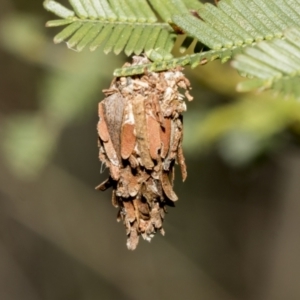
140,138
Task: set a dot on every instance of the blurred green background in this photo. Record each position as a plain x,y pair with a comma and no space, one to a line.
234,233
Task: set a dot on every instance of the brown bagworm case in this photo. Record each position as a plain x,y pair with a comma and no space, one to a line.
140,133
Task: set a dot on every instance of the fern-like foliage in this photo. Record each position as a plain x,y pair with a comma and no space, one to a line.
132,27
228,28
274,65
118,25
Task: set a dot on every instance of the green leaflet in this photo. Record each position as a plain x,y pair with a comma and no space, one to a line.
58,9
101,36
80,9
79,35
112,40
133,39
121,43
61,22
67,32
89,37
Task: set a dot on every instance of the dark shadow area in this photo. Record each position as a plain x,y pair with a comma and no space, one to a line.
50,272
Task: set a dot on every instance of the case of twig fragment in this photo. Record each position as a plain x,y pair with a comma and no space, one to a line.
140,133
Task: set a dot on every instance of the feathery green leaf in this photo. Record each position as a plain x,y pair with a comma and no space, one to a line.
116,24
227,29
274,65
231,27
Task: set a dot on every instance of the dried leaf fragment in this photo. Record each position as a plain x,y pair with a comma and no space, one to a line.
114,108
128,140
141,131
153,130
